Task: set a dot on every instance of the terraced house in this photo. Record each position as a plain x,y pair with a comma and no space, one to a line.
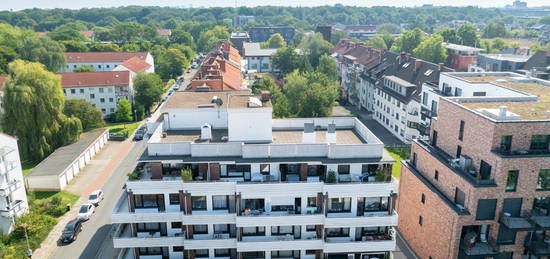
222,179
479,187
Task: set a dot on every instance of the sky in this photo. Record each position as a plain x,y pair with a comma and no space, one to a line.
77,4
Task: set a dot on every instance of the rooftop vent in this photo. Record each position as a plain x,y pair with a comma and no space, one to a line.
500,114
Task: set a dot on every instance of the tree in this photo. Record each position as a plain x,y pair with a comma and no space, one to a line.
74,46
486,45
171,64
33,103
377,42
148,87
498,44
389,28
310,94
43,50
388,39
104,47
468,35
327,66
210,38
432,50
408,41
182,37
278,99
130,47
450,35
123,111
337,35
66,33
7,55
126,31
494,30
314,46
84,69
286,59
276,41
90,116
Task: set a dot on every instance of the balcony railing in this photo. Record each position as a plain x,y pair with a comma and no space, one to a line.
12,209
522,153
7,166
538,245
519,223
10,187
478,249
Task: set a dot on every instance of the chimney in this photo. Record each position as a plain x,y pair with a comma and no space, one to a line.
417,64
308,136
503,110
331,133
206,132
402,57
266,96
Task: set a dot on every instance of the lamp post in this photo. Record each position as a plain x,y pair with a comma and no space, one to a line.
29,250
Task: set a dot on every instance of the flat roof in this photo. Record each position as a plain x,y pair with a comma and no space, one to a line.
64,156
527,110
508,57
231,99
254,49
461,47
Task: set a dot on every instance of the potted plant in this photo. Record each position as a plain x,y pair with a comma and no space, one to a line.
134,175
186,174
331,178
381,175
471,169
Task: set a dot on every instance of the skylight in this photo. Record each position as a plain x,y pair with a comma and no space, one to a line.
428,72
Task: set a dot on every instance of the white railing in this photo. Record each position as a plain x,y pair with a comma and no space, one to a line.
216,149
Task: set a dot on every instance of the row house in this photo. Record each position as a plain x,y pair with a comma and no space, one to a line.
479,186
221,178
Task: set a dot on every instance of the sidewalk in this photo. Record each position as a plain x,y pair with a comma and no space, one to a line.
107,161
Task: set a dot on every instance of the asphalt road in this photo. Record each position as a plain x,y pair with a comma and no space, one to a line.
95,240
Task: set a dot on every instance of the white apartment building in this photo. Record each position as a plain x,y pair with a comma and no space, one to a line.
103,61
256,187
258,59
13,197
102,89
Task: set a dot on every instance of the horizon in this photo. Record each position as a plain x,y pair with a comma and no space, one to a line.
53,4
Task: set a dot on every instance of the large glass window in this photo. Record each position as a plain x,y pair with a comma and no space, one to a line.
221,228
200,229
376,204
221,252
147,200
544,180
286,254
312,201
540,142
199,202
253,231
505,143
234,170
336,205
201,253
541,206
148,227
337,232
343,169
174,198
282,230
253,255
220,202
512,181
150,251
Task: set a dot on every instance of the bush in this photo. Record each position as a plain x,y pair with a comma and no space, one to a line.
402,151
135,175
331,178
187,174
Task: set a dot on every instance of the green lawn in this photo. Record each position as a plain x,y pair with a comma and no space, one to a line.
398,153
117,127
64,195
27,167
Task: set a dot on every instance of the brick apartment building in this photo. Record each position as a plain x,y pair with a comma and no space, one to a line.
480,186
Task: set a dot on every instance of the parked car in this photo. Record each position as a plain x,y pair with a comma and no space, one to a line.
170,92
139,134
86,211
95,197
194,66
71,231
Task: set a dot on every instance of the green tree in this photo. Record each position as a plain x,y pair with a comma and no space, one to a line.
84,69
171,64
389,28
43,50
66,33
7,55
377,42
431,49
33,103
498,44
286,59
148,87
486,45
314,46
278,99
450,35
408,41
494,30
468,35
130,47
104,47
310,94
74,46
126,31
208,40
275,41
388,39
327,66
337,35
182,37
90,116
123,111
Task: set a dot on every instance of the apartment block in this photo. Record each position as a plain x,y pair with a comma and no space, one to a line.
258,59
479,186
104,61
221,178
261,34
13,197
460,57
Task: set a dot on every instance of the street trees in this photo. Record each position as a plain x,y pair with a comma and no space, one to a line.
286,59
123,111
468,35
171,63
408,41
34,102
327,66
210,38
148,88
432,50
90,116
310,94
182,37
314,46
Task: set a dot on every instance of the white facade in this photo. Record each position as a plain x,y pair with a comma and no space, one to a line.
105,98
270,188
104,65
13,197
262,64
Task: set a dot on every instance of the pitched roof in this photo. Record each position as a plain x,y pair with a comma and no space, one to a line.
75,57
91,79
88,34
220,71
164,32
136,64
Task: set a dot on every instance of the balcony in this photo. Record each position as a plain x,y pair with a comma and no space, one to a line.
527,153
210,241
13,209
12,186
313,217
474,177
275,243
123,238
7,166
474,245
538,245
541,220
372,219
519,223
366,244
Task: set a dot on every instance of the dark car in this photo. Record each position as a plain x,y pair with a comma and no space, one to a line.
139,134
71,231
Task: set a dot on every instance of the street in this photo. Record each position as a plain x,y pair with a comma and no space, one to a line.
95,240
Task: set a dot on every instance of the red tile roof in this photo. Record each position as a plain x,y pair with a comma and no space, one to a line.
220,71
164,32
136,64
85,79
74,57
88,34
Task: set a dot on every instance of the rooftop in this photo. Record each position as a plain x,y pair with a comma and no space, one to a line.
458,47
508,57
254,49
74,57
190,100
107,78
135,64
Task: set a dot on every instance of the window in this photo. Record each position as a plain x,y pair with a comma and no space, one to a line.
103,110
458,151
174,198
505,144
150,251
73,91
541,206
112,110
310,227
99,66
234,170
485,170
146,200
201,253
480,94
253,255
220,202
286,254
425,98
461,131
102,100
339,205
264,169
423,199
486,209
543,182
221,229
282,230
506,236
310,252
176,225
512,181
198,202
420,220
312,201
253,231
101,90
540,142
178,249
343,169
376,204
65,91
148,227
221,252
458,91
337,232
81,90
460,197
436,175
111,100
92,96
200,229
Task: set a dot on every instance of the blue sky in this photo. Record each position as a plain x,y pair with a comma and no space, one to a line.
76,4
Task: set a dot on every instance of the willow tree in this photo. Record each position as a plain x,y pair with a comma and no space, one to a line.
33,102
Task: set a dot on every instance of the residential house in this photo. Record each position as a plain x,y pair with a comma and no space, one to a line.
103,61
459,57
259,59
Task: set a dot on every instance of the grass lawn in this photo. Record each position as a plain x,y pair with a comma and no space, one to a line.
27,167
64,195
117,127
398,153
